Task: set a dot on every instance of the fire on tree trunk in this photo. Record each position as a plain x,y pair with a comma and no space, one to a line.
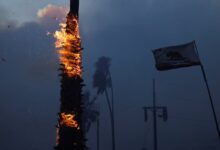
70,135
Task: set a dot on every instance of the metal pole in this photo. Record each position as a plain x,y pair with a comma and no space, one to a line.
211,101
209,93
154,116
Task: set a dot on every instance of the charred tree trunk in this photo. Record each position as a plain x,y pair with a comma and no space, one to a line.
70,134
71,138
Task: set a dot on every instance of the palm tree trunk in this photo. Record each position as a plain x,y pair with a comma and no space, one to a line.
70,134
98,134
112,119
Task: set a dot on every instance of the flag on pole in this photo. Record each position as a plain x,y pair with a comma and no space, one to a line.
184,55
178,56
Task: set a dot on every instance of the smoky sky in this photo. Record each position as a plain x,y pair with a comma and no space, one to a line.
29,83
126,32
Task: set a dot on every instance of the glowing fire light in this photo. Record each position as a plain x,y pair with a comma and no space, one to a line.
68,43
69,120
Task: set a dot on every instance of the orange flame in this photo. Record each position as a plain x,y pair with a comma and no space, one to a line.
68,43
69,120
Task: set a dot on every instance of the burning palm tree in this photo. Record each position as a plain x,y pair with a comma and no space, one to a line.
70,135
102,82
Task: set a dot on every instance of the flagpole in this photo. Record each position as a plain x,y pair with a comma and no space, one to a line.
209,93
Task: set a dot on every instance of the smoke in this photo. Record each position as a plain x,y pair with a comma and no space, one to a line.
6,21
51,13
29,68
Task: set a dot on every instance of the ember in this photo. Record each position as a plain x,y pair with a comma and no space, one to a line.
69,120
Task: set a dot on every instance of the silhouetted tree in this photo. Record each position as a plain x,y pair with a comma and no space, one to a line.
90,114
102,82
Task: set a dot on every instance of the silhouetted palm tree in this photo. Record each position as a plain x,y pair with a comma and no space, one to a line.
90,114
102,82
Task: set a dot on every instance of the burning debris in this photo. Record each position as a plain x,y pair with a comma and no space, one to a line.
70,135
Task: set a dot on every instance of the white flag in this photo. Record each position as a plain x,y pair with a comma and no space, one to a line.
176,56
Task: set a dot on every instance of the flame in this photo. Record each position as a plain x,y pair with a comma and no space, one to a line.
68,43
69,120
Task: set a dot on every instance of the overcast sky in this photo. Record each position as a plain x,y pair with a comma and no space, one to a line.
126,32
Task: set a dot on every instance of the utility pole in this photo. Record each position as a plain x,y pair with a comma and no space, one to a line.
155,109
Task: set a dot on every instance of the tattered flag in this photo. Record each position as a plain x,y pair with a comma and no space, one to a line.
173,57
